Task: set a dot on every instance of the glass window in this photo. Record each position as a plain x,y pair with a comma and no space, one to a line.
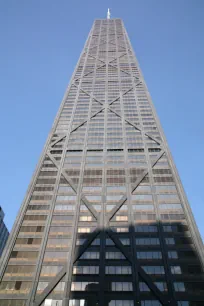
149,255
143,189
66,198
96,241
55,256
109,241
52,302
23,256
114,255
142,197
90,255
65,189
116,189
121,286
175,269
80,241
143,287
165,188
147,241
12,270
168,228
50,271
144,207
57,243
95,199
172,255
62,219
150,303
60,231
154,269
15,287
121,270
31,229
93,189
169,241
179,287
168,198
162,286
123,208
84,286
64,208
170,207
85,229
85,270
125,241
77,302
141,216
113,198
146,228
13,302
86,218
121,218
121,303
120,229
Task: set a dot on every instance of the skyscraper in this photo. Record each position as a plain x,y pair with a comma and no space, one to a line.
105,220
3,231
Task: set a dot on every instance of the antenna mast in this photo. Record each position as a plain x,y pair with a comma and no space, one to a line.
108,14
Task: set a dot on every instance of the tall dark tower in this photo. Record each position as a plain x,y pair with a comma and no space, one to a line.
3,231
105,221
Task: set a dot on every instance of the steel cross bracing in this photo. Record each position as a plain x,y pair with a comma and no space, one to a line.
109,42
165,300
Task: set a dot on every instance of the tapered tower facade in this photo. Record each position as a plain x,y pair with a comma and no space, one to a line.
105,221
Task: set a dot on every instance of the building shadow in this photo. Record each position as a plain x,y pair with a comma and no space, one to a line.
129,265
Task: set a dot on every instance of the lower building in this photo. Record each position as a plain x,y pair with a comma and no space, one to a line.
3,232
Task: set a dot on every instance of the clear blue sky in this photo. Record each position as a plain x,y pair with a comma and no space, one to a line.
40,44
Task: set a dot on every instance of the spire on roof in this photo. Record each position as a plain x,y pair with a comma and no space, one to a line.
108,14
